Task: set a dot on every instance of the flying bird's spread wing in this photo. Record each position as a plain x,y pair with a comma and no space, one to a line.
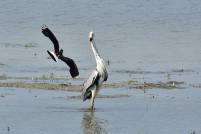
48,33
58,54
91,81
52,55
73,67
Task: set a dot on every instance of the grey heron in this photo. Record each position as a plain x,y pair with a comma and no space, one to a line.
97,77
58,54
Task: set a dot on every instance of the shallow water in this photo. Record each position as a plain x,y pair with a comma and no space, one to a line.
157,111
146,41
133,35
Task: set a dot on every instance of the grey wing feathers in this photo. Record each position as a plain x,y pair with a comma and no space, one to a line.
106,75
90,81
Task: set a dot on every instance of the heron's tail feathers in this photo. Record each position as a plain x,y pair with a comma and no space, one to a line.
87,95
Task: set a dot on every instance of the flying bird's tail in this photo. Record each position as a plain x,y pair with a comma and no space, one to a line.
73,67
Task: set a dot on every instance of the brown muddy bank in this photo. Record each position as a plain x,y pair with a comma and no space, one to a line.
32,83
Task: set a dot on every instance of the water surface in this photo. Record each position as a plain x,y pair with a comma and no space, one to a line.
146,41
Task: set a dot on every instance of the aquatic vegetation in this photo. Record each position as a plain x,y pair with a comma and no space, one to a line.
102,96
30,45
48,86
161,85
195,85
3,77
7,44
48,82
43,77
77,88
27,45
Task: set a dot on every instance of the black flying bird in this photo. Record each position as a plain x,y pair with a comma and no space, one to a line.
58,53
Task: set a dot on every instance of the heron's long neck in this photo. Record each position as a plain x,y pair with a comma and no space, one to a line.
95,51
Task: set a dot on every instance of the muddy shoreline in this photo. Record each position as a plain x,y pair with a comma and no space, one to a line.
47,82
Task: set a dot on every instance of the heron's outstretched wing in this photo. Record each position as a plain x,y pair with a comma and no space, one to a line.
48,33
73,67
91,81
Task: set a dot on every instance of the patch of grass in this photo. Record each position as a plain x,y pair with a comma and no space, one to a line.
48,86
43,77
131,82
3,77
30,45
161,85
51,85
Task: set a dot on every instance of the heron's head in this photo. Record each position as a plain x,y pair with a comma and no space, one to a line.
91,36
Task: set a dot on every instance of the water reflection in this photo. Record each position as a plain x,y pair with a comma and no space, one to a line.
92,124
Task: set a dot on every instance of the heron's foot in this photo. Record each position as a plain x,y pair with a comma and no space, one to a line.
92,108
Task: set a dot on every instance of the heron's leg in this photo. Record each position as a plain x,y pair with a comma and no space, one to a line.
92,104
92,99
